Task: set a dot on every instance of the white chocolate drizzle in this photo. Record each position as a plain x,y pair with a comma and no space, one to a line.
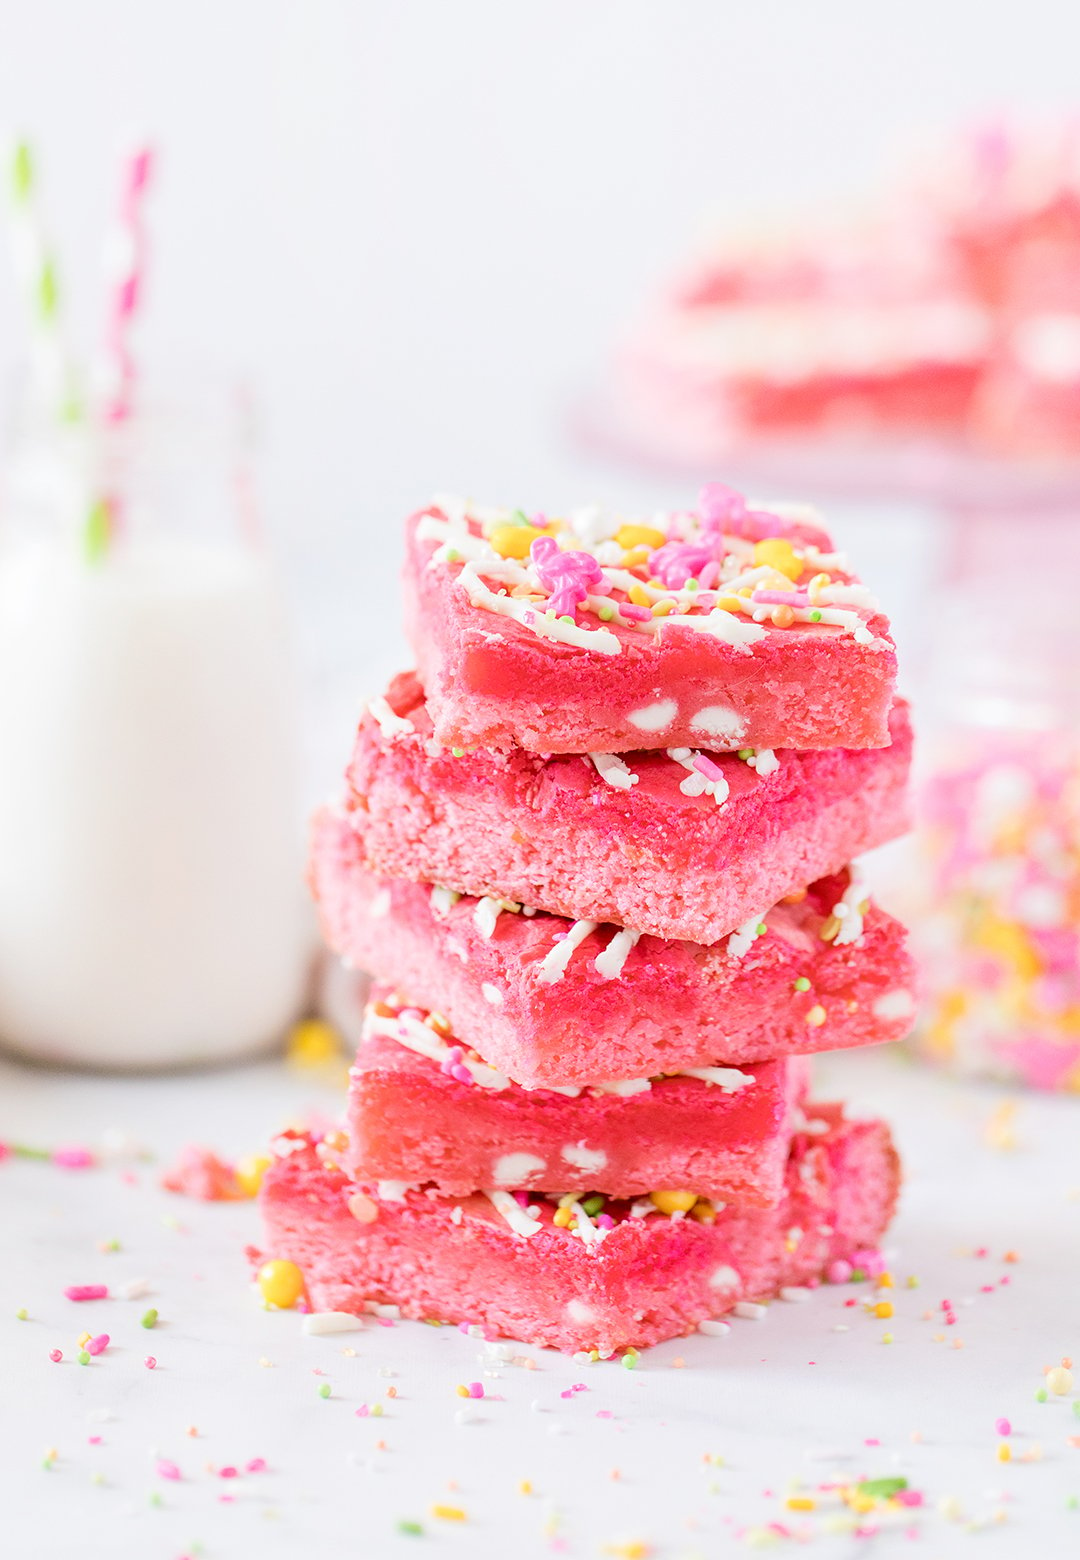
553,965
610,962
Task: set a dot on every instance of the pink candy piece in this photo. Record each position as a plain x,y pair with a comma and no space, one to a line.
228,1473
476,1389
1003,1427
569,576
167,1469
86,1292
56,1355
677,562
150,1362
838,1272
720,505
73,1158
98,1345
256,1465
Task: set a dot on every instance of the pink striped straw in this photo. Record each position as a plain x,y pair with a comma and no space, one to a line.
127,262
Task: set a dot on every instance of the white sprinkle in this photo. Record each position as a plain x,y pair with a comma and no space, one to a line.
486,916
135,1289
380,904
467,1415
714,1328
610,962
797,1294
392,1191
697,784
654,717
386,1309
511,1169
491,994
553,965
749,1310
741,938
518,1220
764,761
847,911
443,900
390,723
319,1323
613,771
457,1213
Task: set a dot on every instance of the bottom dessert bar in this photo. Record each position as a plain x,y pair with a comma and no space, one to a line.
633,1275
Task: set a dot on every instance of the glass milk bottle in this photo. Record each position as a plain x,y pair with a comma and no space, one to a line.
151,908
997,922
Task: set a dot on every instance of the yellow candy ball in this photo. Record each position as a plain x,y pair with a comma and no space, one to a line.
513,541
249,1173
779,554
281,1284
673,1202
640,536
1059,1380
313,1042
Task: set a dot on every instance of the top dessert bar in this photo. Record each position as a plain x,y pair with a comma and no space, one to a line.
725,627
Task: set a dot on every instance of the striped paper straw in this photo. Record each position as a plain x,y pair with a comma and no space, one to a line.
126,263
52,378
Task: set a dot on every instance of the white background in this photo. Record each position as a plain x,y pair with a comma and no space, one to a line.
417,226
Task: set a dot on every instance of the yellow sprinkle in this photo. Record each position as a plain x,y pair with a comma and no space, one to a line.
636,1550
829,929
1059,1380
885,1281
703,1211
887,1337
731,603
249,1173
800,1503
448,1513
640,536
816,1016
634,557
525,1487
313,1042
564,1218
673,1202
461,1389
84,1339
281,1283
816,585
662,608
883,1310
1004,1452
639,596
513,541
779,554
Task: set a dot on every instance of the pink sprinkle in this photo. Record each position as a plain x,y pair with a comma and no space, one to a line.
150,1362
781,598
839,1271
872,1441
72,1158
476,1389
567,1394
1003,1427
256,1465
94,1440
707,767
634,613
228,1473
98,1345
605,1221
909,1497
603,1413
56,1355
709,575
87,1292
362,1411
167,1470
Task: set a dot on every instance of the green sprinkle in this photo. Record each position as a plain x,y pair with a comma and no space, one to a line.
22,1313
457,752
376,1410
518,517
858,1275
815,616
24,1151
1073,1503
48,292
881,1489
745,753
630,1359
593,1204
802,984
1076,1407
111,1245
96,532
1040,1396
324,1389
452,555
22,171
415,1529
83,1357
566,618
148,1318
605,612
154,1498
762,929
97,1478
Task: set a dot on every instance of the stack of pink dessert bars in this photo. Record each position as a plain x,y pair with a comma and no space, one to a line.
596,852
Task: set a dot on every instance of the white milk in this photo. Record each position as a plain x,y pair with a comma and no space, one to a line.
151,907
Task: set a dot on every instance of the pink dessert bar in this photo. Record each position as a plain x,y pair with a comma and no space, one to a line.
632,1275
676,844
619,1006
728,628
424,1108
